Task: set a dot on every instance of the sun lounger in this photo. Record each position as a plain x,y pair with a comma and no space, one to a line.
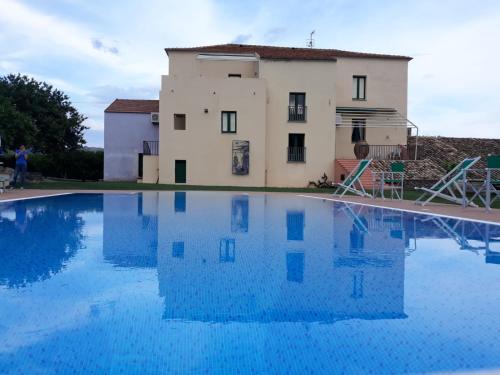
450,186
353,182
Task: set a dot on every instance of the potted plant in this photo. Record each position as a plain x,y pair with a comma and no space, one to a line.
361,149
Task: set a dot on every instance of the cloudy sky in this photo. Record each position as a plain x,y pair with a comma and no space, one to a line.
96,51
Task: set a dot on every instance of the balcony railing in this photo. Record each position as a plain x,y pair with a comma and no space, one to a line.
390,152
297,113
296,154
150,147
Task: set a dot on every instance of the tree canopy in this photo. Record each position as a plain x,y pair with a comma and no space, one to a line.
38,115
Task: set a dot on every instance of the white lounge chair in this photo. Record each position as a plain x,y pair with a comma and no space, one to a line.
450,186
353,179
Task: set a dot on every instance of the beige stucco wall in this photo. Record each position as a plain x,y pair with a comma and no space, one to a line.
386,87
150,169
386,83
317,80
186,64
208,151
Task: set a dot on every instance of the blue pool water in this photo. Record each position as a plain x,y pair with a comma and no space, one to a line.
228,283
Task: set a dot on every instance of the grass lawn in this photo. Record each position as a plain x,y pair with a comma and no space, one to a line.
101,185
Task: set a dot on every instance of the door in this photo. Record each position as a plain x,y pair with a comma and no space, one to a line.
139,167
180,171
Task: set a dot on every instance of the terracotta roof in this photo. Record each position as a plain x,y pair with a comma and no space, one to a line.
133,106
285,53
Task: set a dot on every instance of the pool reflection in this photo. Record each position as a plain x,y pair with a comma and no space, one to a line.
277,266
254,258
261,259
130,229
55,224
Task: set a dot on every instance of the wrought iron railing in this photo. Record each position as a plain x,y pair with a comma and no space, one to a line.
297,113
150,147
296,154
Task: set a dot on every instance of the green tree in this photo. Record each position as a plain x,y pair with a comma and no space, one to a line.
38,115
16,128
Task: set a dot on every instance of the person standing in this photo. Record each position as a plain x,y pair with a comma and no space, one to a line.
21,165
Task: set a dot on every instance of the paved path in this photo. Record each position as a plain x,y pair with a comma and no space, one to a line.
433,208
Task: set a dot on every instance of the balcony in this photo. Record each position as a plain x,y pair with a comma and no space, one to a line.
150,147
296,154
297,113
390,152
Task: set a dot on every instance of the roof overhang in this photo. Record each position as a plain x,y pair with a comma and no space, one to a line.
228,56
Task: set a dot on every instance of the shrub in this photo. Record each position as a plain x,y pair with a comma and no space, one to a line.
78,165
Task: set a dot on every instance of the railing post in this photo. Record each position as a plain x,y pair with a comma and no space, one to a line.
464,188
488,189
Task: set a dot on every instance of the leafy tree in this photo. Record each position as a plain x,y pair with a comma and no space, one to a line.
38,115
16,128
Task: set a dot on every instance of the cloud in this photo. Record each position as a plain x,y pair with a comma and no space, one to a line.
46,35
99,45
272,35
96,58
241,39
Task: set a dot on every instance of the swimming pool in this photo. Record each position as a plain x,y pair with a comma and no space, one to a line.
229,283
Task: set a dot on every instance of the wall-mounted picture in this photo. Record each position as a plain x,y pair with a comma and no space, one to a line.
241,157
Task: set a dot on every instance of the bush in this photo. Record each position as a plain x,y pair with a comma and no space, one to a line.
77,165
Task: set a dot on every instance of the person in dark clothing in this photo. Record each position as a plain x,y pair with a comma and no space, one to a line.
21,166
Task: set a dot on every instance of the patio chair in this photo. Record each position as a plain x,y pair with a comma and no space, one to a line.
492,179
391,180
488,188
450,186
4,182
353,179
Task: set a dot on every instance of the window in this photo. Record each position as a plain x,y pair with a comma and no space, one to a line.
178,249
358,130
297,106
359,87
227,250
296,149
228,122
295,267
179,121
295,223
233,75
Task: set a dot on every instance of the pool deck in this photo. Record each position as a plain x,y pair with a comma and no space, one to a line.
449,210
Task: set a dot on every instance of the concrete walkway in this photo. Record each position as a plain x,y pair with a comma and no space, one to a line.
443,209
432,208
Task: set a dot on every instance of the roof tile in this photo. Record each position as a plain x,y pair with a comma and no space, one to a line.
285,53
133,106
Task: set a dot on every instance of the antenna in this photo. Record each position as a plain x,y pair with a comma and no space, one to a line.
310,41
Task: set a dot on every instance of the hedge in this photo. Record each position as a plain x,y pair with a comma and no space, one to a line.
78,165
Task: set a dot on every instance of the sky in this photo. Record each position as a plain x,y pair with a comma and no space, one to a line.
96,51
